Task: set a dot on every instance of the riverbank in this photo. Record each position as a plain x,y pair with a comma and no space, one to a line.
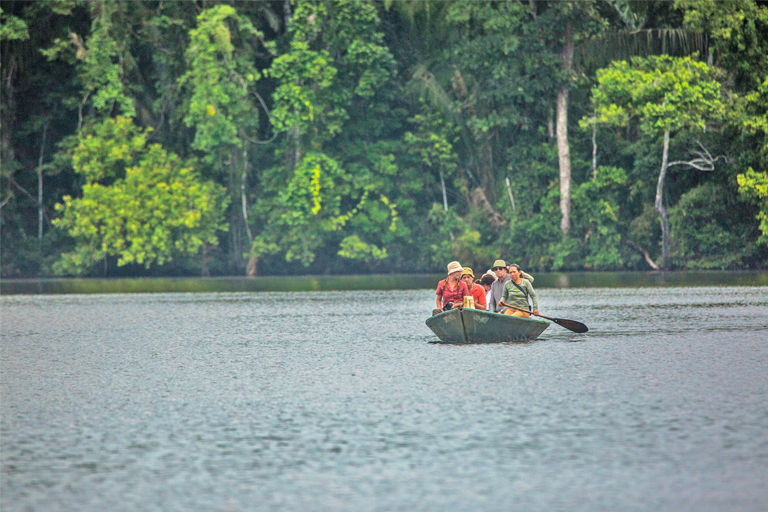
368,282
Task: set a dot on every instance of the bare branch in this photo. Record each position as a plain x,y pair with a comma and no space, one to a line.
704,160
5,201
645,254
264,106
19,187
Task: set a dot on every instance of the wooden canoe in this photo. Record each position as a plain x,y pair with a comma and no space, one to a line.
463,325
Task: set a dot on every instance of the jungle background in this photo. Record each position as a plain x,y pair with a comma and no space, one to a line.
179,138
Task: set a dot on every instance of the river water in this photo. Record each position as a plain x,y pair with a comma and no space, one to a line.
342,401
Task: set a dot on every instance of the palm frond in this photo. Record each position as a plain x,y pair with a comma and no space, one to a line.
622,45
423,84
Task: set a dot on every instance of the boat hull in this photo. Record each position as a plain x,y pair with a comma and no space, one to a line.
463,325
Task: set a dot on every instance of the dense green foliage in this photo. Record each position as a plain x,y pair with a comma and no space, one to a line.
342,136
139,203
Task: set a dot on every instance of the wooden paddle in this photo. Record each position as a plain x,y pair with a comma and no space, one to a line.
571,325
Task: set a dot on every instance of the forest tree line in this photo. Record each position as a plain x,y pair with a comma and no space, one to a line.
338,136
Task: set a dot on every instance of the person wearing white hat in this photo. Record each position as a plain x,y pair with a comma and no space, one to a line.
450,290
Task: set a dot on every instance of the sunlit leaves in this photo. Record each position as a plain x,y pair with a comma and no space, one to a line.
754,186
303,75
662,93
354,248
105,149
156,208
12,27
320,198
737,31
335,62
107,60
221,108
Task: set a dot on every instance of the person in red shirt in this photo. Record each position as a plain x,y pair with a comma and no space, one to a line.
451,290
475,290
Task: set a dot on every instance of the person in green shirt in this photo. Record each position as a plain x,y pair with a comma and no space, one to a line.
516,292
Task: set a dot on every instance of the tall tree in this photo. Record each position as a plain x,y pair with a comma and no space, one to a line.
335,64
665,95
224,105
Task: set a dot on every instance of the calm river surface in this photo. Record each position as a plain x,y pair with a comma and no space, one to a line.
339,401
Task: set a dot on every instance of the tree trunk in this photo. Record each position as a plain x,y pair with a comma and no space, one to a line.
286,14
235,220
594,150
253,263
204,261
563,152
645,254
660,205
9,103
250,267
564,160
445,195
243,198
479,200
40,187
509,191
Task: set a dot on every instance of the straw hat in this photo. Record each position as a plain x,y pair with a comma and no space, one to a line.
454,266
467,271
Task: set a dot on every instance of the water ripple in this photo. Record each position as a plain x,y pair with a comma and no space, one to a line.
340,401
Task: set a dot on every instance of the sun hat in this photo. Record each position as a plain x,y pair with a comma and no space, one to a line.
454,266
467,271
499,263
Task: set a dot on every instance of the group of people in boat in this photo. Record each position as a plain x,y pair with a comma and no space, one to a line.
504,283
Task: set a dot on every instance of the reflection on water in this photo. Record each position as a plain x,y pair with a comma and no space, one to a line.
373,282
337,401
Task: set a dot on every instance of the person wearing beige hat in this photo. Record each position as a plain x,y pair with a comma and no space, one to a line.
450,290
475,290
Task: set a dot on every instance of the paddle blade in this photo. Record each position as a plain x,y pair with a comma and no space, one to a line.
571,325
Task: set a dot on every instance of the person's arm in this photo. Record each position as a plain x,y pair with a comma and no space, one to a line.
534,299
505,293
480,303
526,275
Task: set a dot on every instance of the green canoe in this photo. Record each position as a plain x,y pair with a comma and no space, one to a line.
464,325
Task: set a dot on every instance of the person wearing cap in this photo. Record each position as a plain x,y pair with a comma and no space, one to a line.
497,288
450,290
475,290
501,269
